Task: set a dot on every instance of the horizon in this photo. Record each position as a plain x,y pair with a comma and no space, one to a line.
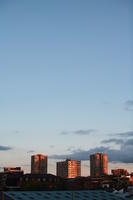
66,81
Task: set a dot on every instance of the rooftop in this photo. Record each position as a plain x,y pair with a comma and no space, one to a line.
62,195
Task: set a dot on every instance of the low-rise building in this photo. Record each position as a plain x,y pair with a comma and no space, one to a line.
119,172
13,170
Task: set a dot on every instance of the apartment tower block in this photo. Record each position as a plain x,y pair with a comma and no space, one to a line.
98,165
68,169
39,164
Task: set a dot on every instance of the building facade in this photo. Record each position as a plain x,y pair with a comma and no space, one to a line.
119,172
98,165
13,170
68,168
39,164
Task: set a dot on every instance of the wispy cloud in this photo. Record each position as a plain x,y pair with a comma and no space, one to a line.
122,142
5,148
128,142
123,154
17,131
129,105
51,146
70,149
124,134
79,154
25,165
113,140
79,132
31,151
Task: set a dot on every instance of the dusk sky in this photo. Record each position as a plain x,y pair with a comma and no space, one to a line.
66,86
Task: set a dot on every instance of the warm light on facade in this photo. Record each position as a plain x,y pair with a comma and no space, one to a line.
68,168
39,164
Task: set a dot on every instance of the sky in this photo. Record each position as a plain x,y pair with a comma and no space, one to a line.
66,81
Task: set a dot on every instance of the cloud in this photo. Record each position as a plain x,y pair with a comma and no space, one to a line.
31,151
25,165
124,134
113,140
5,148
123,143
129,142
79,132
17,132
51,146
79,154
129,105
71,148
123,154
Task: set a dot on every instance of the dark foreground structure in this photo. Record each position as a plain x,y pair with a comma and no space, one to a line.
51,187
62,195
49,182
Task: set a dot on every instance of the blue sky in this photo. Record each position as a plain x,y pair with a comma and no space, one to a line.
65,66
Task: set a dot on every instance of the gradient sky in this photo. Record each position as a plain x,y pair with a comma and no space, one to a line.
65,77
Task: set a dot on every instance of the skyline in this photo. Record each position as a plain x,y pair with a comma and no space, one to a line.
39,164
66,80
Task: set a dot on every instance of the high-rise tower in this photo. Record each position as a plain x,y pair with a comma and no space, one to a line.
68,168
98,164
39,164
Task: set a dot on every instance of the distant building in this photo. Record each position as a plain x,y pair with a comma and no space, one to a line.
119,172
13,170
98,165
68,168
39,164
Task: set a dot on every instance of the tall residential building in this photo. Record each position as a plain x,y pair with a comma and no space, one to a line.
39,164
69,168
98,165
